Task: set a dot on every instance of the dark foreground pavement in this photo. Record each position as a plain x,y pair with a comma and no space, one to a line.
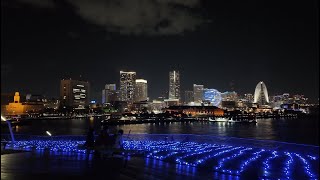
58,166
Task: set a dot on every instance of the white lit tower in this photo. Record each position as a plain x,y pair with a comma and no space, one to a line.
141,90
127,85
174,85
261,94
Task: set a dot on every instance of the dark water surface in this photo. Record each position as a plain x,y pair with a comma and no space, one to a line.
303,131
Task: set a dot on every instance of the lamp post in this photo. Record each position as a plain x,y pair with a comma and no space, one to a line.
10,128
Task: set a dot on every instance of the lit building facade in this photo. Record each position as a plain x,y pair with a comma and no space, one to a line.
249,97
141,90
109,93
229,96
127,86
18,108
261,94
74,93
174,85
213,96
188,97
197,93
196,111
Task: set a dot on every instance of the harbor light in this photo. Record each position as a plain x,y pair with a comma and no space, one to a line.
48,133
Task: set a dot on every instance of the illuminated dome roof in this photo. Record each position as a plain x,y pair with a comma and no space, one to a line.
212,95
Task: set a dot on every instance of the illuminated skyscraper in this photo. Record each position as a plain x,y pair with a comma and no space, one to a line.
74,93
197,93
261,94
127,85
174,85
188,97
109,93
141,90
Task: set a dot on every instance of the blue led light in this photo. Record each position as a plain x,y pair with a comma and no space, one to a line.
194,154
306,166
266,164
288,165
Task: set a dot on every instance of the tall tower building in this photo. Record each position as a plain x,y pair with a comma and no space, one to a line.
127,85
197,93
109,93
261,94
74,93
141,90
174,85
188,97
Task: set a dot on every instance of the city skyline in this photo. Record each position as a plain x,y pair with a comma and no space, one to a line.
225,45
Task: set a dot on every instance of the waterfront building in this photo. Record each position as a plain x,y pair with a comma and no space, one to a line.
110,87
299,99
188,97
228,105
52,103
229,96
212,96
174,85
109,93
197,93
171,102
74,93
195,111
141,90
157,106
127,86
19,108
249,97
261,94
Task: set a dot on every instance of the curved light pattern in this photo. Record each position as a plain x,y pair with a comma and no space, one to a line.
261,89
233,160
212,95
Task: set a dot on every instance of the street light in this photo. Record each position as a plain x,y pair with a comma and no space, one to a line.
10,128
48,133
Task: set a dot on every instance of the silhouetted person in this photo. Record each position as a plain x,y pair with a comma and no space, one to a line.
90,139
118,144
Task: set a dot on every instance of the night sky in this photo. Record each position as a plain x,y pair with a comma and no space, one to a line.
215,43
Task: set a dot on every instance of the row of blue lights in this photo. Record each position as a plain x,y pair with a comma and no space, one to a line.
194,154
266,163
288,165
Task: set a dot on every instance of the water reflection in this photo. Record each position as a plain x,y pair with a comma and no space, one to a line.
290,130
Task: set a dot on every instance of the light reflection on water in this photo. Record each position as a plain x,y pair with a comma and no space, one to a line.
303,131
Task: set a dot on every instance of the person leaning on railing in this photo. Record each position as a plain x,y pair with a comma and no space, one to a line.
118,142
103,143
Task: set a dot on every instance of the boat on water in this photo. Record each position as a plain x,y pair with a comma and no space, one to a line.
242,121
218,119
231,120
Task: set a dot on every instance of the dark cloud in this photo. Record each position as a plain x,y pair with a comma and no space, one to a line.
146,17
138,17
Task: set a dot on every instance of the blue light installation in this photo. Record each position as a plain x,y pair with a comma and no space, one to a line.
266,164
306,166
223,160
288,165
194,154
